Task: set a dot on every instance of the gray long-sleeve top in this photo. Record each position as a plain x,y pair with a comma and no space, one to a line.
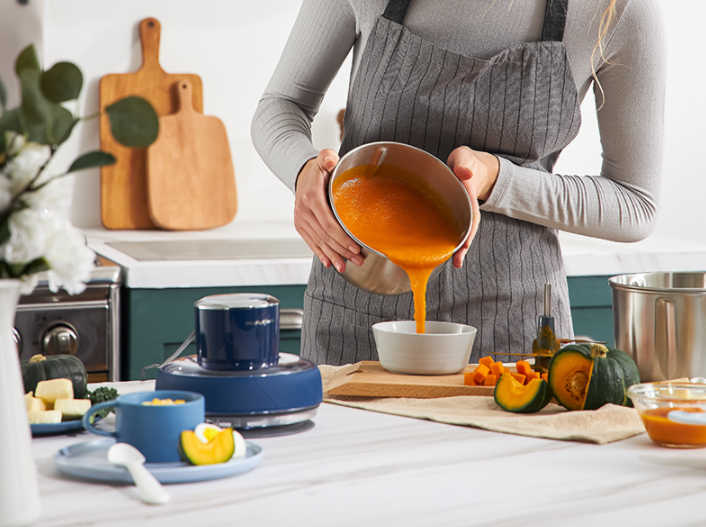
618,204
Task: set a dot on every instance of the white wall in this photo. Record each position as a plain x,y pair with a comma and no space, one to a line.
234,45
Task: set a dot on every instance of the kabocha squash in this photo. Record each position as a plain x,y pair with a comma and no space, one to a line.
513,396
587,376
218,450
41,368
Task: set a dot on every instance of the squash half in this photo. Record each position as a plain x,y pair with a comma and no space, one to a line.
587,376
513,396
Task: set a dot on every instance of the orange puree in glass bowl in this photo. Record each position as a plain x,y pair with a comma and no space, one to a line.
669,433
393,211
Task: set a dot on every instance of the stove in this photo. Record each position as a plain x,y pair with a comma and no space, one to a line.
86,325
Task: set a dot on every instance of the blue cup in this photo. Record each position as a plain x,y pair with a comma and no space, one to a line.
154,430
238,331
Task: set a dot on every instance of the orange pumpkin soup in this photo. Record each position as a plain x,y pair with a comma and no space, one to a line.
395,212
669,433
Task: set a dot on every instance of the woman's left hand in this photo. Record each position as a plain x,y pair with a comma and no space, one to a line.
477,171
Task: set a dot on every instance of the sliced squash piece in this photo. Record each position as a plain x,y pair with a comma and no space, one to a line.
511,395
72,408
34,404
50,391
46,417
218,450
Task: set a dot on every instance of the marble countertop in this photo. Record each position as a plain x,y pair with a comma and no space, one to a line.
357,467
582,256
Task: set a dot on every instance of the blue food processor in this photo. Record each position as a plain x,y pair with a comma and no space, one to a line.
247,384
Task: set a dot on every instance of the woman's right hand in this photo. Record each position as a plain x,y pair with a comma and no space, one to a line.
314,219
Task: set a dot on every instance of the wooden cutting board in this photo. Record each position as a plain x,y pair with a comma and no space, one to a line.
370,379
123,184
190,176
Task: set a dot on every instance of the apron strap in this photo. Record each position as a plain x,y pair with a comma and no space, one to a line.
396,10
554,20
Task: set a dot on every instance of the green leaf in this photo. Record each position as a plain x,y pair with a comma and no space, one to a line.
27,59
36,109
133,122
97,158
61,125
3,95
10,121
5,230
36,266
62,82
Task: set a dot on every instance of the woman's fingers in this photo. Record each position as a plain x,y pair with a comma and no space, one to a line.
314,219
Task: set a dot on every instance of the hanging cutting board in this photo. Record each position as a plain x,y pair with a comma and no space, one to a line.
190,177
123,184
370,379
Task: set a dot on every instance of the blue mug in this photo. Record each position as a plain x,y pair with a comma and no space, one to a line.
238,331
154,430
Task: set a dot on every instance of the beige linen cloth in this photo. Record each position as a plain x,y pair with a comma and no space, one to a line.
605,425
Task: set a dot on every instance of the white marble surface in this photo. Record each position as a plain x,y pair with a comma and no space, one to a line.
363,468
582,256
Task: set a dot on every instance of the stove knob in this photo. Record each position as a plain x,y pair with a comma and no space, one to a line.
61,339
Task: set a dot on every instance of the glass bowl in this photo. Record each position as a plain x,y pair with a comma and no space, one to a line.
655,401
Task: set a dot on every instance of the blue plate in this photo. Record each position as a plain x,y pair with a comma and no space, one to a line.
90,460
43,429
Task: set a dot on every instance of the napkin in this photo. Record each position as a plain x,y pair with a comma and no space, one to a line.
605,425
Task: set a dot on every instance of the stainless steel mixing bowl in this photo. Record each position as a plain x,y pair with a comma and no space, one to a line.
378,274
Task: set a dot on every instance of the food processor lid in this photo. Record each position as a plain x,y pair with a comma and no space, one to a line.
236,301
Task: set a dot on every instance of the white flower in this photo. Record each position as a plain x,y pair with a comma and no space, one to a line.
55,196
28,235
69,258
24,166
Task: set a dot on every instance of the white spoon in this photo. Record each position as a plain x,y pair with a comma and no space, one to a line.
128,456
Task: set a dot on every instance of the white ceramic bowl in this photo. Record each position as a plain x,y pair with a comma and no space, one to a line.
443,350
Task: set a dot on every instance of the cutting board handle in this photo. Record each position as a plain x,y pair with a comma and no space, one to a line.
150,30
184,89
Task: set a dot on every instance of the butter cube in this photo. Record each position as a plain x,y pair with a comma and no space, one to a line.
72,408
50,391
46,417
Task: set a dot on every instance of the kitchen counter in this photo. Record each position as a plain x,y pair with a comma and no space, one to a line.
363,468
157,261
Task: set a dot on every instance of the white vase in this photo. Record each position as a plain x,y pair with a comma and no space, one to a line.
19,493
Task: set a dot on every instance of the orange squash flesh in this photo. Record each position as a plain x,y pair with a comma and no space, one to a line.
487,361
576,371
513,396
218,450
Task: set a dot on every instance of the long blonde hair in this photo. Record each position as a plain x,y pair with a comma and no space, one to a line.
606,19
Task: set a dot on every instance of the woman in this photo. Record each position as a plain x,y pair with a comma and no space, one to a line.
494,88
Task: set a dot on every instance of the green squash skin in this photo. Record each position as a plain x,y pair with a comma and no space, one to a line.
612,376
539,401
55,367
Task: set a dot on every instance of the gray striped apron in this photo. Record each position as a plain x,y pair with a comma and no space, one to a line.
522,105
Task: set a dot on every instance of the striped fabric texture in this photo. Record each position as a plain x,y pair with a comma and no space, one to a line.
522,105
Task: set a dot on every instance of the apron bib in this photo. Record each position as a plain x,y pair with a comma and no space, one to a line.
520,104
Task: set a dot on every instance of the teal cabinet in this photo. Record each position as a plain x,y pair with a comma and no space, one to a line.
591,300
155,322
